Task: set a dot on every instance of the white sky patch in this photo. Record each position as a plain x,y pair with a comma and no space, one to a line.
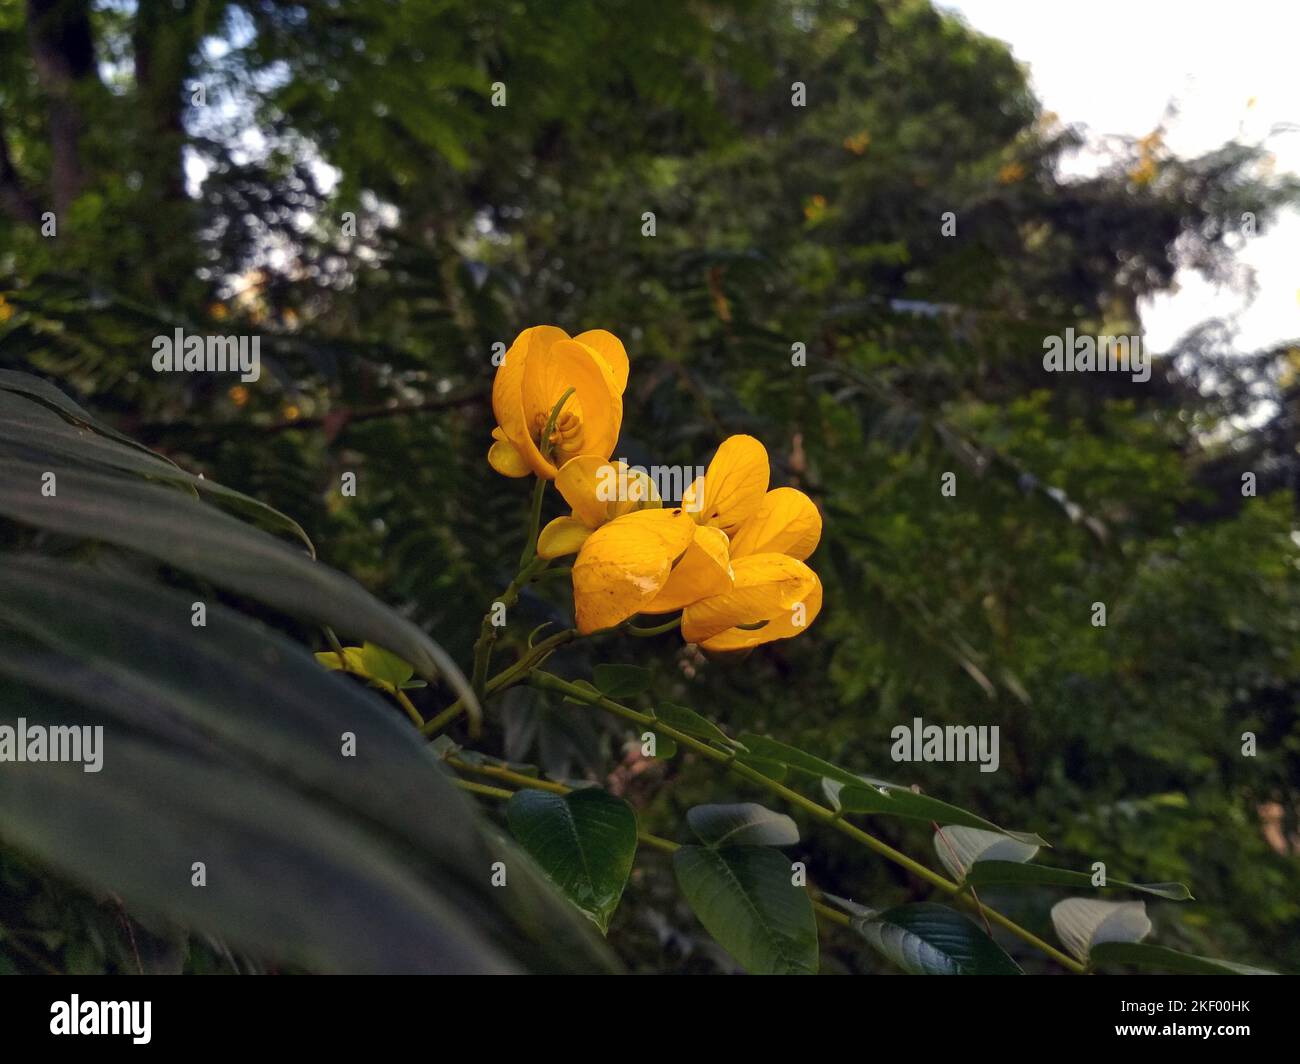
1115,66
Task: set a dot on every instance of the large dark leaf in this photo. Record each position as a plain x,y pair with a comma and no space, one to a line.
33,431
184,532
226,744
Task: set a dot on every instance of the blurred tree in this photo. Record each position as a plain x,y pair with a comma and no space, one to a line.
346,186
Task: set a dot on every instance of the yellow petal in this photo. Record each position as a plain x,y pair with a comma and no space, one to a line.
508,385
548,374
636,491
600,490
505,458
610,348
704,571
624,564
790,623
564,535
766,586
786,522
734,484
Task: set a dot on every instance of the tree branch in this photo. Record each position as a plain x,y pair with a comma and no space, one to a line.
63,50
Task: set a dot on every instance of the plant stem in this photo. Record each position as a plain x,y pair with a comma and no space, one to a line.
506,775
508,677
659,629
483,789
539,489
487,635
548,682
534,524
409,706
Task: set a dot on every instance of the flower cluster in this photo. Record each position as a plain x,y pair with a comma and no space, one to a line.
729,555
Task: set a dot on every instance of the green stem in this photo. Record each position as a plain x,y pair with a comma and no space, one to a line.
547,682
539,489
500,772
487,635
534,523
659,629
483,789
507,677
409,706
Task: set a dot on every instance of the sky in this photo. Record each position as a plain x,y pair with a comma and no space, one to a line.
1116,65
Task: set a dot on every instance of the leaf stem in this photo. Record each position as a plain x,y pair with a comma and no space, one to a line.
487,635
534,524
548,682
507,677
409,706
659,629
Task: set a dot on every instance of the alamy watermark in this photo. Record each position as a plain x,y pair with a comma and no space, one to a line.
38,743
103,1017
620,482
1097,354
919,741
179,353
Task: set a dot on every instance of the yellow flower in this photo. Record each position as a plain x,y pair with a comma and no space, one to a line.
633,556
733,486
6,311
598,490
774,594
640,563
540,369
731,557
625,564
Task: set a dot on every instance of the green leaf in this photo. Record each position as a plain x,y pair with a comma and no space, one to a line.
52,435
1004,873
665,745
1083,923
930,939
48,395
1164,959
865,794
774,750
384,667
745,824
194,537
621,681
584,841
961,847
687,720
746,899
892,799
307,797
773,770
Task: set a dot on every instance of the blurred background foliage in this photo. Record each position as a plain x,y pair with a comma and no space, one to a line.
334,178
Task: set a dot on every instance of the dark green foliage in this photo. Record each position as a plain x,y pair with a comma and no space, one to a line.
775,226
